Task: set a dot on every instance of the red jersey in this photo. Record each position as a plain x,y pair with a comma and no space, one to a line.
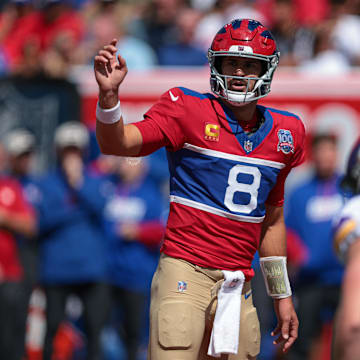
12,201
220,176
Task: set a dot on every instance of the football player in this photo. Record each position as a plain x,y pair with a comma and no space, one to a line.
347,246
228,160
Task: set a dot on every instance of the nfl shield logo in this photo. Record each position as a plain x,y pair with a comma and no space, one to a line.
182,286
248,146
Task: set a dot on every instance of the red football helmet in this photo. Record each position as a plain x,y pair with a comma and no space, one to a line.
245,38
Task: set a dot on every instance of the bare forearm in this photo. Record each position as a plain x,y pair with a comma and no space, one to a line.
110,137
273,237
116,138
347,329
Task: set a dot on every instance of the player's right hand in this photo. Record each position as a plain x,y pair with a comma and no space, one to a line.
110,70
286,330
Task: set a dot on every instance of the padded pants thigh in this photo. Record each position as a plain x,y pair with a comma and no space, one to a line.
182,310
177,313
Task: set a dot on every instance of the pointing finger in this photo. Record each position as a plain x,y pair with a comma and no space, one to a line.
122,62
113,42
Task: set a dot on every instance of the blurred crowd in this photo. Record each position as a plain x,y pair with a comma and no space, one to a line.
85,229
49,36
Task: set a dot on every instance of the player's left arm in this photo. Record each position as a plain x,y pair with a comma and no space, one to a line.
272,252
346,345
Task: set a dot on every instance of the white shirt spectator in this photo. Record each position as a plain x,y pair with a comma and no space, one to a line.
329,62
346,37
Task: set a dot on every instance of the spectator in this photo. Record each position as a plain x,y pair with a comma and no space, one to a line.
72,257
310,13
59,25
224,12
156,25
346,15
20,147
16,218
107,19
294,42
326,59
312,206
18,24
135,227
60,30
185,51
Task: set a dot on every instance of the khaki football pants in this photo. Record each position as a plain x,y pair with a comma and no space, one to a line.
183,304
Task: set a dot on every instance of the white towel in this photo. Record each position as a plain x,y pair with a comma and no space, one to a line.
225,332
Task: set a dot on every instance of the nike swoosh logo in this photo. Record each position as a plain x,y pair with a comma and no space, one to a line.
173,97
247,295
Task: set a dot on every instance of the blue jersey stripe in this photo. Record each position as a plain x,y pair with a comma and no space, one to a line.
281,112
235,186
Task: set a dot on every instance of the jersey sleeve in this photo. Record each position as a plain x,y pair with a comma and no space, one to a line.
299,147
163,123
276,195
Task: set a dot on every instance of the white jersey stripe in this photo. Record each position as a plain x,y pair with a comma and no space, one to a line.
245,159
210,209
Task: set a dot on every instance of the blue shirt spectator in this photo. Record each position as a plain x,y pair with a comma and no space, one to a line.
184,51
137,53
134,218
311,208
72,246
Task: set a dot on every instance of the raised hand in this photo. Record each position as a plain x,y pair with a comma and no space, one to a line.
110,70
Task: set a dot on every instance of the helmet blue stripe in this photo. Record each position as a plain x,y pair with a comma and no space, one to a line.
267,34
253,24
236,24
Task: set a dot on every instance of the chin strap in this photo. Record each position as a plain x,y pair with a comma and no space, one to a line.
239,99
